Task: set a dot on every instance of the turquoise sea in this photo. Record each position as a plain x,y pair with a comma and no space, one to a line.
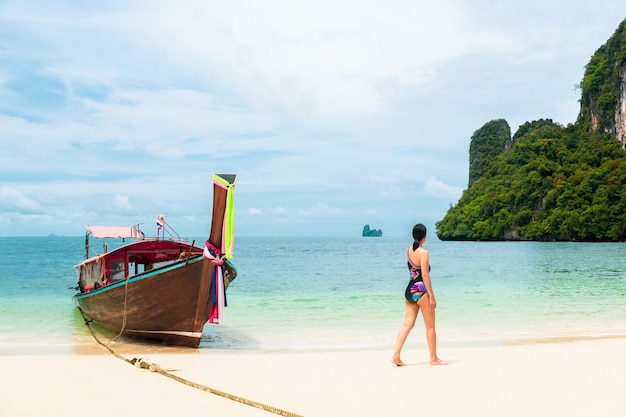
345,293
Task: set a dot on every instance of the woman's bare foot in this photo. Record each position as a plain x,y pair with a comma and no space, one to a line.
397,362
437,361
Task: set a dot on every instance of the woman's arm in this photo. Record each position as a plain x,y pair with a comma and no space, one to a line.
425,266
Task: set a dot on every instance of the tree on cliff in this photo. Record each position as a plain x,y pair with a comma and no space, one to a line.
487,143
604,88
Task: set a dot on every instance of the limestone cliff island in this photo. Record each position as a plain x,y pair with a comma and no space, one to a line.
367,232
550,182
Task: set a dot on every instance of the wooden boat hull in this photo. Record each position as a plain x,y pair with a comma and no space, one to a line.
138,307
170,304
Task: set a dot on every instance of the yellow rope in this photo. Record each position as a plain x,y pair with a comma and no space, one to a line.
152,367
123,318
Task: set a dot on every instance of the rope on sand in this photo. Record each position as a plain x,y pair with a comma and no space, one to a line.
152,367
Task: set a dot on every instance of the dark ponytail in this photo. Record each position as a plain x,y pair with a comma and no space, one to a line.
419,231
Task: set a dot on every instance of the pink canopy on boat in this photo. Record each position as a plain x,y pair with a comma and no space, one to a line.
115,231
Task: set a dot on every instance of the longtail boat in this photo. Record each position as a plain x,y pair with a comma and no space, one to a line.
160,287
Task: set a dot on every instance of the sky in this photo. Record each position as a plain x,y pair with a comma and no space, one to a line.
332,114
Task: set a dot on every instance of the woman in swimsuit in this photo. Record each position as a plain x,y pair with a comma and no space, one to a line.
418,295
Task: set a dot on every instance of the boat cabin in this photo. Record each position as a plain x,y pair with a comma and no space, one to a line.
132,259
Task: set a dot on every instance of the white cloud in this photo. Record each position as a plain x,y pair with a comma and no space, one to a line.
323,109
13,199
122,202
439,189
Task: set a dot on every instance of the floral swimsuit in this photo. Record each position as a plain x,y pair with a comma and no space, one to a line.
416,288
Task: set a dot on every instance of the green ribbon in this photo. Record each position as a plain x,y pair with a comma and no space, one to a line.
228,230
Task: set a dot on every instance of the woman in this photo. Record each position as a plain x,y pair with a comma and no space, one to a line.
418,295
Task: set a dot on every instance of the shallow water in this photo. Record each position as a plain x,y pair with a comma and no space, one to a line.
345,293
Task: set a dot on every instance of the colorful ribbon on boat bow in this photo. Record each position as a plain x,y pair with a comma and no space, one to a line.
213,254
218,293
228,228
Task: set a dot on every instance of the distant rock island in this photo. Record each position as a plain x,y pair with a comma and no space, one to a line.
367,232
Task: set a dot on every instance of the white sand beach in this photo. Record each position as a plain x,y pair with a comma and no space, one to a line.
566,378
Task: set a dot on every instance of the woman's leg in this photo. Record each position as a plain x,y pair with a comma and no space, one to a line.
428,314
410,314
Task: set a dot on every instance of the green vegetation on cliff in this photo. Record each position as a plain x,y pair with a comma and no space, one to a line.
554,183
486,144
602,83
550,182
